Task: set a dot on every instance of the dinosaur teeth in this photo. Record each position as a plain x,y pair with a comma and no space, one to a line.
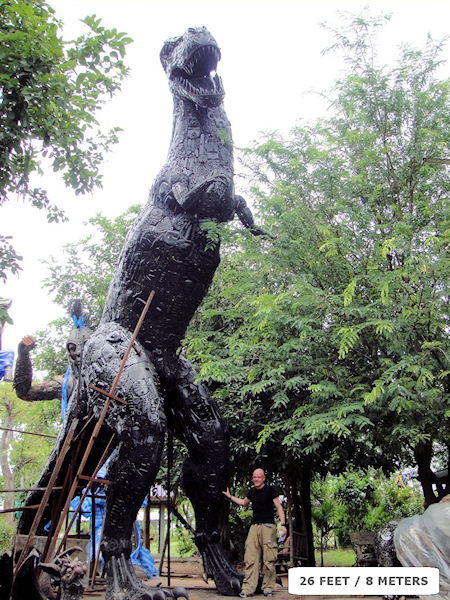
199,77
198,55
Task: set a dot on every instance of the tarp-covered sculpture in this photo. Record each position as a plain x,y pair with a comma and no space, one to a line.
424,541
6,362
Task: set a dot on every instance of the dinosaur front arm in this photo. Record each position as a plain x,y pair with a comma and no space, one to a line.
246,217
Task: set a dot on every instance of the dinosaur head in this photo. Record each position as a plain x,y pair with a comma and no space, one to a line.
190,63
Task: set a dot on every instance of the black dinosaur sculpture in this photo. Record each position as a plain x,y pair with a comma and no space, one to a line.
167,251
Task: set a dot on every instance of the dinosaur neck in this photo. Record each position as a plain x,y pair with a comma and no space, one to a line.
201,144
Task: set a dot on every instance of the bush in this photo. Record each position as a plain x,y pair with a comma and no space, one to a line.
367,501
393,502
7,533
185,539
355,496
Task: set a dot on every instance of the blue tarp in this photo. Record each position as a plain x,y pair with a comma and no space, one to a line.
142,557
64,392
6,360
86,511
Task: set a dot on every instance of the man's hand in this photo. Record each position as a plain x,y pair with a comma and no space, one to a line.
227,494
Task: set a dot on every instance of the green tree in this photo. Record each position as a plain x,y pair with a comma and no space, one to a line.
323,517
327,346
332,339
5,304
25,443
364,501
393,501
50,94
83,271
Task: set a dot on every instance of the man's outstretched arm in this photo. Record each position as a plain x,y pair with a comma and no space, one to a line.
240,501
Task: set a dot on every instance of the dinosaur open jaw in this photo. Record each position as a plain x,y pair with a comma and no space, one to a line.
198,79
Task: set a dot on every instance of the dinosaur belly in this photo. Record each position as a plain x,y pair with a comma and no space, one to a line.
171,256
217,202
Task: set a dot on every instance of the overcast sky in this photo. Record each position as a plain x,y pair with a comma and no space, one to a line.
271,59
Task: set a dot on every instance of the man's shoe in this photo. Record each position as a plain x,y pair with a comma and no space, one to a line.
242,595
267,593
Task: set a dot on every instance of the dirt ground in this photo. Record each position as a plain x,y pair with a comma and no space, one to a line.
188,573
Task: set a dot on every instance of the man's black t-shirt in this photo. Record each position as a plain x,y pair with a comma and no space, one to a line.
262,504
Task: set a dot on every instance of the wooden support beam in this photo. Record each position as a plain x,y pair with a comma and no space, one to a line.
28,432
42,489
108,394
96,480
49,550
66,507
47,493
19,508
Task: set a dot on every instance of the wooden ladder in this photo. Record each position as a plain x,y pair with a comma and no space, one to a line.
72,481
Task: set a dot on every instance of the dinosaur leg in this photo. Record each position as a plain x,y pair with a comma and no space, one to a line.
132,471
195,418
140,426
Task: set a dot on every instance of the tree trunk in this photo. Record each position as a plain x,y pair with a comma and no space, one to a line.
423,455
300,482
8,478
305,489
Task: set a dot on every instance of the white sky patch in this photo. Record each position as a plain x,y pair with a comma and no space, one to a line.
271,59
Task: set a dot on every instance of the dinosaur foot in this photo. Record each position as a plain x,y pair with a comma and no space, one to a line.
122,583
216,566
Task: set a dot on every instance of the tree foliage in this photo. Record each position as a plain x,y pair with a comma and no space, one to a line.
50,94
361,501
23,454
83,271
332,341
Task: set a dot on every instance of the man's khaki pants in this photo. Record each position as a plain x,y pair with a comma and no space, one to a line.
261,544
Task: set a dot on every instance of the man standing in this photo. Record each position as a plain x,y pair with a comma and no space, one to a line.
262,538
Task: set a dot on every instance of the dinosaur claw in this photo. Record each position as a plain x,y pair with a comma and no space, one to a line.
226,577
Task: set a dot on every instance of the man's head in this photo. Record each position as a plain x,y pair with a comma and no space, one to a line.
258,478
